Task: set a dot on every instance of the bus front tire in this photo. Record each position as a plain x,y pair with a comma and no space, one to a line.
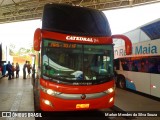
36,103
121,82
36,99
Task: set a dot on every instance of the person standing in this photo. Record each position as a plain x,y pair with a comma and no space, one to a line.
9,69
29,67
17,70
24,70
13,69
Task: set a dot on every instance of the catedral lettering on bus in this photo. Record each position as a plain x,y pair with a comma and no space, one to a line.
79,38
74,60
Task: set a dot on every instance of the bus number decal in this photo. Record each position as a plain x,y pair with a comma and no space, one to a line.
62,45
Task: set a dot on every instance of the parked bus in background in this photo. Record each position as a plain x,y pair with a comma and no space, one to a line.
75,59
141,70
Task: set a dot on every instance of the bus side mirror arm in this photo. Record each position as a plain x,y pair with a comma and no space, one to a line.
128,44
37,39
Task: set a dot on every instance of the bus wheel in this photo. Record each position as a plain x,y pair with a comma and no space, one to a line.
36,104
122,82
36,100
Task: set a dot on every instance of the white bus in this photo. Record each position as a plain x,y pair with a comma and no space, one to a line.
141,70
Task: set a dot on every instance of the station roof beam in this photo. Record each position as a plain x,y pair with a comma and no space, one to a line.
20,10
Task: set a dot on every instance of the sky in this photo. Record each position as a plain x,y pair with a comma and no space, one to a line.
127,19
19,33
121,21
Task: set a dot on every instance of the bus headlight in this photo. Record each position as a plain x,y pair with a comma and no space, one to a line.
50,92
110,90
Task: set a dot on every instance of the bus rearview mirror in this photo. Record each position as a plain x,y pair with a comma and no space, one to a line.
128,44
37,39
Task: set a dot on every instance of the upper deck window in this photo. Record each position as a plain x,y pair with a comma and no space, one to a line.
152,30
75,20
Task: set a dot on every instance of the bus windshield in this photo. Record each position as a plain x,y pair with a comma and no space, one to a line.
67,62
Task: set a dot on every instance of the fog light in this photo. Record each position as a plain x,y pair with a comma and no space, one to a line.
47,102
110,100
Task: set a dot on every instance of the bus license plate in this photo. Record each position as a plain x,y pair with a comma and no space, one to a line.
82,105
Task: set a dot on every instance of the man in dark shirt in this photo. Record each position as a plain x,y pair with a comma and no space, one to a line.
24,70
9,69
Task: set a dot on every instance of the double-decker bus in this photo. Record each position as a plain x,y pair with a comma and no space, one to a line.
75,59
140,71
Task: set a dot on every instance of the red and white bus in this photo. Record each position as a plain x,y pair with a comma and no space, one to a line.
75,59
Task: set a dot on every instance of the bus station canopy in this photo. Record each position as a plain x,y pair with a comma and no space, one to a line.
20,10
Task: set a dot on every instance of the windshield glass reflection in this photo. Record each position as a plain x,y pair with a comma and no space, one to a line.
68,61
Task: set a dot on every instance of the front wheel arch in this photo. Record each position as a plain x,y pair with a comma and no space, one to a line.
121,82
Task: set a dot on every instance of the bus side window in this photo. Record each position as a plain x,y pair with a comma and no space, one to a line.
134,67
153,66
116,64
124,63
158,68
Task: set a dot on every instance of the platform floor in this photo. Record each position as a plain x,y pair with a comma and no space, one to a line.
17,95
131,102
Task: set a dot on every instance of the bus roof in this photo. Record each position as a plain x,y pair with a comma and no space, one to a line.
147,32
75,20
152,30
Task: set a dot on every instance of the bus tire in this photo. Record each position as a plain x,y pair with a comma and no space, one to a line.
36,102
36,98
121,82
